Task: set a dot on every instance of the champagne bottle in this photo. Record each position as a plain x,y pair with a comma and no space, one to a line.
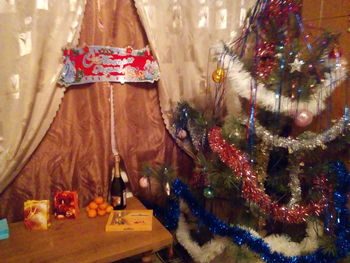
118,189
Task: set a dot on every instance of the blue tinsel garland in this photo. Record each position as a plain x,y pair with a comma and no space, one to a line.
258,245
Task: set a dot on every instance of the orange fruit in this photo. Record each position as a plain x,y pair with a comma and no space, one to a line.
99,200
101,212
92,213
109,209
87,208
103,206
93,205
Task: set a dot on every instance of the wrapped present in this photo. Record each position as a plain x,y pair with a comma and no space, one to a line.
37,214
130,220
66,204
4,229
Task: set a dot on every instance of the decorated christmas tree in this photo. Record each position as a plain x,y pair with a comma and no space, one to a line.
282,195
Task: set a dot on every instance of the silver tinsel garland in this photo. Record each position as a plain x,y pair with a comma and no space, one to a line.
300,144
294,184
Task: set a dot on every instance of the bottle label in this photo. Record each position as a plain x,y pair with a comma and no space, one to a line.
116,200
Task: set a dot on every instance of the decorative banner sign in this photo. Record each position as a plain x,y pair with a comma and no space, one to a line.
97,63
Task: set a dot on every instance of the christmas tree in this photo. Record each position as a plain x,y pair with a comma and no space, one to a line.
282,197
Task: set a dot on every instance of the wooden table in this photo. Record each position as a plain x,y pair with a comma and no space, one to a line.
80,240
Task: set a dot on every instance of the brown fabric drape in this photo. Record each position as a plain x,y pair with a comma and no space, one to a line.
76,153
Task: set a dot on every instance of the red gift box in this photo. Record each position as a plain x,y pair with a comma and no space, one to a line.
66,204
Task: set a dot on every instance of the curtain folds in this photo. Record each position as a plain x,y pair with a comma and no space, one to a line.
75,154
32,35
184,35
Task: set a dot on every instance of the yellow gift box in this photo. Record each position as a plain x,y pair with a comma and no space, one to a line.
37,214
130,220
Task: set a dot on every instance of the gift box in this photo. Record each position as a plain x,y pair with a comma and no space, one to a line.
37,214
66,204
130,220
4,229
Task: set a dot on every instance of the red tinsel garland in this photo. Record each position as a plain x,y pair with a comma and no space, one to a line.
238,162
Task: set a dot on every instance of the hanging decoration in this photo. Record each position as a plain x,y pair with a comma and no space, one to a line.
218,75
99,63
208,192
277,243
251,191
303,118
300,143
202,254
240,80
241,236
292,75
294,184
144,182
279,71
190,125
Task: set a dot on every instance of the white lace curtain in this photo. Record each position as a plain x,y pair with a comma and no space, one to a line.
182,34
32,35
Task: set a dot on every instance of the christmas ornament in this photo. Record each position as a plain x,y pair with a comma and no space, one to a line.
266,59
143,182
205,253
279,48
92,64
167,188
182,134
296,65
239,163
241,236
197,134
240,80
277,243
208,192
198,179
303,118
335,53
299,143
219,75
294,184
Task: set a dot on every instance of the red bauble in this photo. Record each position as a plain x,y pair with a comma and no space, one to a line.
303,118
335,53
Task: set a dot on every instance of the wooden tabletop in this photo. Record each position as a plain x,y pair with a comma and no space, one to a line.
80,240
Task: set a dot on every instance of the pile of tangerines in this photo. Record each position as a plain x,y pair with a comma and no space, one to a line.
98,207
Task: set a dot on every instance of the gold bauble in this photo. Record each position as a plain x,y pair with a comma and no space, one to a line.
219,75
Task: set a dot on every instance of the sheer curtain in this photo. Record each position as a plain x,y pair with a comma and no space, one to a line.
32,35
183,35
75,153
